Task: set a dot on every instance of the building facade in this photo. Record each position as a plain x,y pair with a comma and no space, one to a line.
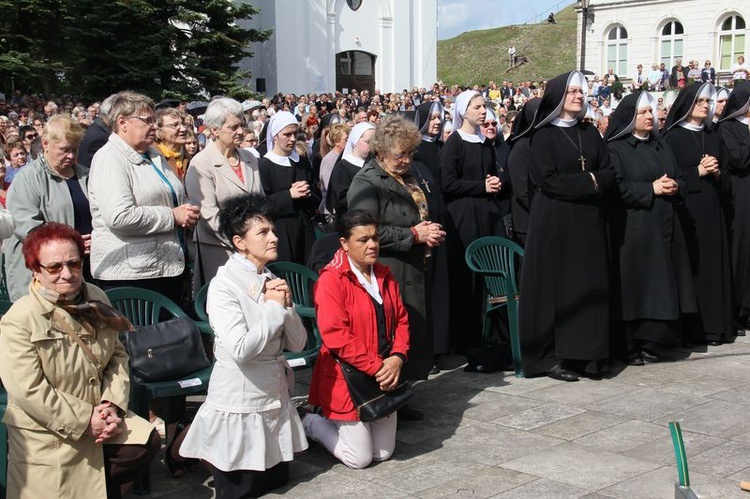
620,34
326,45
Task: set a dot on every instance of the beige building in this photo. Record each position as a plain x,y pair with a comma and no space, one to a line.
620,34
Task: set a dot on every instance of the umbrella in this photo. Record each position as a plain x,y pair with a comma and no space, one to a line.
196,107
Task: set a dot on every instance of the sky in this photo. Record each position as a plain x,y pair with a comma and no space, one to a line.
457,16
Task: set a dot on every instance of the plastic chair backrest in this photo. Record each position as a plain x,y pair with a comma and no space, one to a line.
4,294
494,258
200,303
300,280
143,306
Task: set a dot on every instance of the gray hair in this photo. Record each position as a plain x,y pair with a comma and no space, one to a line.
106,107
126,104
218,110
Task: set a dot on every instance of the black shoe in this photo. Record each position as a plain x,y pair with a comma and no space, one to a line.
408,413
561,374
741,331
435,370
650,357
714,343
635,359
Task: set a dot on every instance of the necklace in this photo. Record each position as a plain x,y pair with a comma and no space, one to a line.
579,148
234,160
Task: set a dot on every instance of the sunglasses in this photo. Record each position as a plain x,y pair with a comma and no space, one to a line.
57,267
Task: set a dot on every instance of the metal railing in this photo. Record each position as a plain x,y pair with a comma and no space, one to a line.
555,9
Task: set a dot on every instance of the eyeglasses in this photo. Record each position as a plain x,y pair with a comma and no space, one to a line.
175,126
488,124
404,156
57,267
149,120
574,91
31,136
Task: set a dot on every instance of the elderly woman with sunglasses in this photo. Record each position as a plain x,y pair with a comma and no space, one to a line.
53,188
67,378
138,206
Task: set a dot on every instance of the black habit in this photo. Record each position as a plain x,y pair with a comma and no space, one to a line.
564,308
652,268
293,217
703,220
735,137
518,169
341,178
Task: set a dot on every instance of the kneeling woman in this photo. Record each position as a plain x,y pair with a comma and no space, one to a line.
248,430
363,322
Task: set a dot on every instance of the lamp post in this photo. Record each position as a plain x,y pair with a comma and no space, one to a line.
584,22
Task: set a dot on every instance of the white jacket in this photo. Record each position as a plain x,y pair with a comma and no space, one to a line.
134,234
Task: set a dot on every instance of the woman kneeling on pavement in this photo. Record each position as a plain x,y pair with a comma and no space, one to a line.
248,430
362,322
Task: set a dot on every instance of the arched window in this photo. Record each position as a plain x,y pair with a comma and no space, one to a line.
617,50
731,40
671,42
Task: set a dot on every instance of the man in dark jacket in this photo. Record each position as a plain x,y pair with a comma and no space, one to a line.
97,134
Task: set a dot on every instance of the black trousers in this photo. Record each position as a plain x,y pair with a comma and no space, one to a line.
244,484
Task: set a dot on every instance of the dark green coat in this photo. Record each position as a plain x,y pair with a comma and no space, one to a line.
375,191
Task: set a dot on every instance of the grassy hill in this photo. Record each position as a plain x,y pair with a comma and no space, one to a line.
481,56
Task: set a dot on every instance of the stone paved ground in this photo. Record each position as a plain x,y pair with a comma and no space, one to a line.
493,435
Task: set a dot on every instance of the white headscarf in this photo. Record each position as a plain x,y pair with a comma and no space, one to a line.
357,132
459,110
277,123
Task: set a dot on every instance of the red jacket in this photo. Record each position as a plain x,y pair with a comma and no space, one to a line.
348,326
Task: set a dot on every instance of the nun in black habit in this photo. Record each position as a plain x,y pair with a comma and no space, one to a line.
429,120
652,268
734,129
491,130
518,168
565,309
288,181
697,149
470,185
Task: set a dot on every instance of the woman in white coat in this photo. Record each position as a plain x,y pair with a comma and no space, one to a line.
248,429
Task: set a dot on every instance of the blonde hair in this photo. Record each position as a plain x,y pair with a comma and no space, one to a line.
337,132
61,127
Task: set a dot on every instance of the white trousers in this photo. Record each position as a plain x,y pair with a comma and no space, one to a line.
354,443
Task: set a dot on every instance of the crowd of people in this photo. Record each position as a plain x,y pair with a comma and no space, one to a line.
632,220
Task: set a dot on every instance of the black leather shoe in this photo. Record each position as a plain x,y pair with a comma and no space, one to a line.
408,413
635,359
558,372
715,343
435,370
650,357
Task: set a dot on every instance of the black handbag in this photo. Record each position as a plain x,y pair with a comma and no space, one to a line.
370,401
165,351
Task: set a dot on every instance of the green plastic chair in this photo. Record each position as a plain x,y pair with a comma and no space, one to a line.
3,444
301,281
494,258
199,305
145,307
4,294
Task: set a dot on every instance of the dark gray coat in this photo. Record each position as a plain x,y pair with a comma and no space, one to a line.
375,191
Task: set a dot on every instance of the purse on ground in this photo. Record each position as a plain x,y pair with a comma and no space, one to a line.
371,402
165,351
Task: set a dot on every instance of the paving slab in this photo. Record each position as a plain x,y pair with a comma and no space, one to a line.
544,489
622,437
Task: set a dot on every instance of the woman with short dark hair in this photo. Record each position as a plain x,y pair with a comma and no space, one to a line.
248,430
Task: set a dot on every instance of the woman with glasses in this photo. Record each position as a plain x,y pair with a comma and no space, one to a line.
471,186
564,313
138,206
652,268
171,135
221,171
697,149
53,188
389,188
67,378
734,129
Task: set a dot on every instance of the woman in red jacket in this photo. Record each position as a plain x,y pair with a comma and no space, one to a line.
362,321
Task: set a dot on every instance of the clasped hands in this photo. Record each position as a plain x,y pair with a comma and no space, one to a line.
389,373
300,189
186,215
492,184
278,291
105,423
429,233
708,165
665,186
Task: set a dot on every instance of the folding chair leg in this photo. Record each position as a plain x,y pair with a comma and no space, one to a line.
515,340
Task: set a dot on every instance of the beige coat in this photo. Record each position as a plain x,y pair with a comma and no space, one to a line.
52,389
209,182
